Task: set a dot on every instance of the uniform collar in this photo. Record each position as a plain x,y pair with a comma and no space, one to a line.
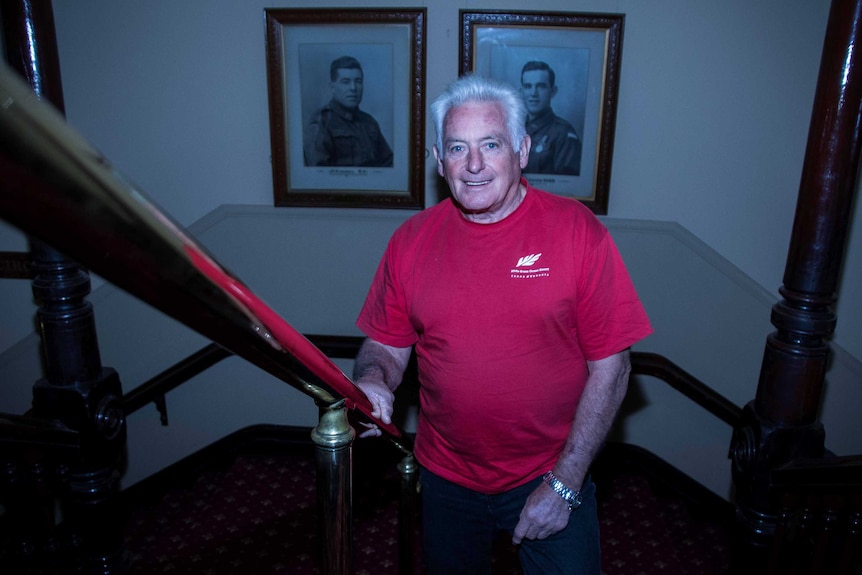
542,118
346,113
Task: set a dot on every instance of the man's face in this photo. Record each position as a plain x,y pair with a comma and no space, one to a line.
537,91
478,162
347,87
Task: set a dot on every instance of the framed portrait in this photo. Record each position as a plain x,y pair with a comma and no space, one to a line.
347,106
566,66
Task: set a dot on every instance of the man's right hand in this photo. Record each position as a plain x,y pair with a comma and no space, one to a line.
377,372
382,401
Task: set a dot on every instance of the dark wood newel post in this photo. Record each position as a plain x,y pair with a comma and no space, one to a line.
76,390
782,423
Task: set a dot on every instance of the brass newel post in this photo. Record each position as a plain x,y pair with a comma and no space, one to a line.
333,438
409,469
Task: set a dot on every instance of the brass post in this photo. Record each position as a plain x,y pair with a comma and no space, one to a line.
407,514
333,438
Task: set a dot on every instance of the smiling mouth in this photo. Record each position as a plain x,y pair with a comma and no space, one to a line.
482,183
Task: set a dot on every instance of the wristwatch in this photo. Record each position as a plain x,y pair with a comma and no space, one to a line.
573,498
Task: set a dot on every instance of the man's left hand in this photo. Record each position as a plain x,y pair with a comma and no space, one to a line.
544,514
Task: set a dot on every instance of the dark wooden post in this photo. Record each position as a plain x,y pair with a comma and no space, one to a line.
76,390
781,423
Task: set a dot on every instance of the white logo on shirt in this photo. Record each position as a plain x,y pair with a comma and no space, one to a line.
528,260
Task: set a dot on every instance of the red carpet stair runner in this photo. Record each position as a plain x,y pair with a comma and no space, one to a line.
256,513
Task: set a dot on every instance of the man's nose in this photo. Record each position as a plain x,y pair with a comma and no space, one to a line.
475,161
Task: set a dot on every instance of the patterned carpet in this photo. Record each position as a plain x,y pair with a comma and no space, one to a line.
259,516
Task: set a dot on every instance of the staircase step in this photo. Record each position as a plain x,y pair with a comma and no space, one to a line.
634,533
259,515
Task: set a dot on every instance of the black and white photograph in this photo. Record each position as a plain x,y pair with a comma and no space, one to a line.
338,129
346,107
566,66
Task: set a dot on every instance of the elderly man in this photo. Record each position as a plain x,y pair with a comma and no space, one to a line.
340,134
556,148
521,313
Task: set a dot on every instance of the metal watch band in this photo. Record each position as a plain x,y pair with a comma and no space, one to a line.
572,498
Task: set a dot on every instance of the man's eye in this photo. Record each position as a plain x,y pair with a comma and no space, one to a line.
456,149
492,145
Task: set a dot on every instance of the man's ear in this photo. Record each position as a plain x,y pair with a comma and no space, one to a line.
439,161
524,151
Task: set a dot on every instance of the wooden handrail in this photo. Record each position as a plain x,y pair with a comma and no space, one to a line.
174,376
333,346
345,346
659,366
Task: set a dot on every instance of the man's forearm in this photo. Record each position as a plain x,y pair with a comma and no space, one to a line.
381,362
545,513
603,394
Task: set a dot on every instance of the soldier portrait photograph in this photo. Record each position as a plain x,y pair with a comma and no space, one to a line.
340,133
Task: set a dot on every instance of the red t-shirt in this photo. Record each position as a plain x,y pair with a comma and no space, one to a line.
504,317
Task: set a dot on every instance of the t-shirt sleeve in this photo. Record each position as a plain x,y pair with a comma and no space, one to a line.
384,316
610,316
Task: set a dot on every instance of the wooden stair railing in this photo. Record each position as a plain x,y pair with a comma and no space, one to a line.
659,366
781,424
346,347
76,393
154,390
820,523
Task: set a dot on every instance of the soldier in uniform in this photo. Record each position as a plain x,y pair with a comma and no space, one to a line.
340,134
556,147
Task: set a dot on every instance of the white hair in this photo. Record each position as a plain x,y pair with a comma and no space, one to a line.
475,88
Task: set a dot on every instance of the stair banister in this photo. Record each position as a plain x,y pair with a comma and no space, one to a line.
156,388
781,424
76,389
656,365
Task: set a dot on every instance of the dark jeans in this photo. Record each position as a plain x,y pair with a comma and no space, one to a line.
460,526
